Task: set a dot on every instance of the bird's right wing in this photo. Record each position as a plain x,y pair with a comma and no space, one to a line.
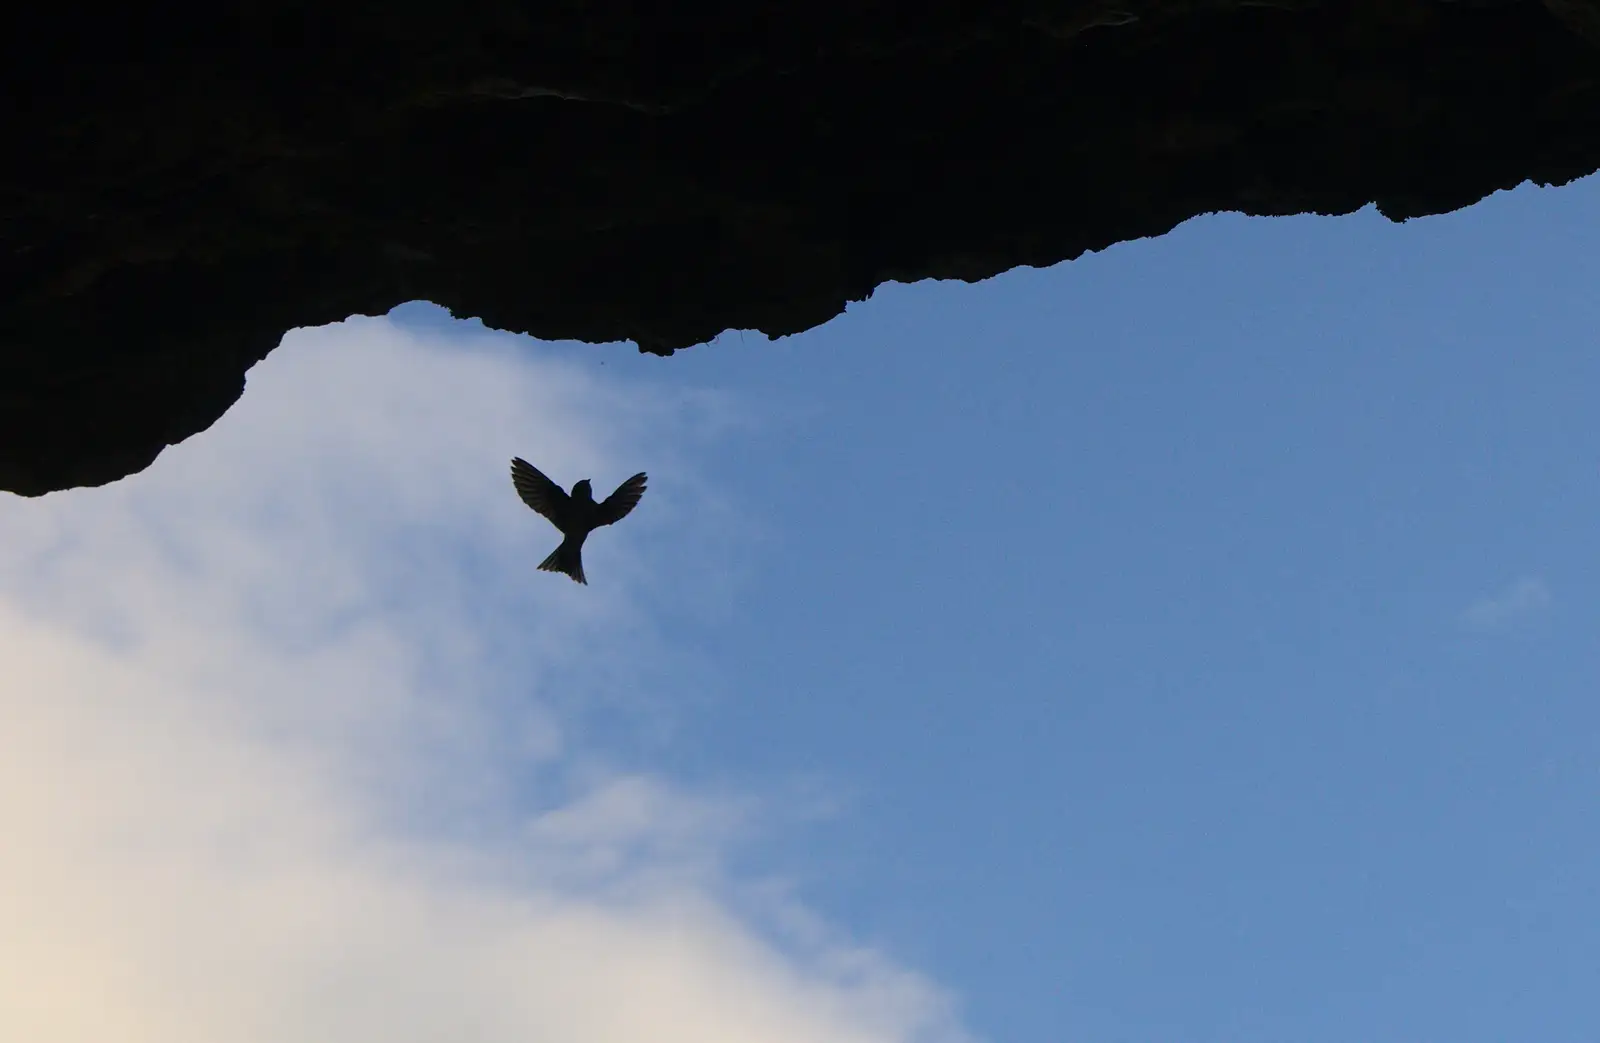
539,492
615,507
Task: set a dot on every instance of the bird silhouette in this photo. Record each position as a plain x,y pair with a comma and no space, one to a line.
576,515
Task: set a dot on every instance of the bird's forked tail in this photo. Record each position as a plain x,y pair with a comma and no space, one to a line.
566,558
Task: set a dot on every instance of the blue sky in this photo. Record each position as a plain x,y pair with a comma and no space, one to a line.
1190,642
1203,631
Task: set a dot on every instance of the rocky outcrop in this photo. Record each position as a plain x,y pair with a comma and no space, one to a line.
181,191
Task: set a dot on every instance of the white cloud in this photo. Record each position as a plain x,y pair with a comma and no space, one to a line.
293,745
1526,596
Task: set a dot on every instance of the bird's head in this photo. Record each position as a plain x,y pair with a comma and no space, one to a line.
582,491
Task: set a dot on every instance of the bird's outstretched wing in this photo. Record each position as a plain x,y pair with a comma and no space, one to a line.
539,492
615,507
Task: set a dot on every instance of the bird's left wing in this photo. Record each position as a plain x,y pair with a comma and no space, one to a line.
539,492
615,507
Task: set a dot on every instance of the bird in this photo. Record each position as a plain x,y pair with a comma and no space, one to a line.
576,515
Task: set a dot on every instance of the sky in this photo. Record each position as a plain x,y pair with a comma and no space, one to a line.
1190,642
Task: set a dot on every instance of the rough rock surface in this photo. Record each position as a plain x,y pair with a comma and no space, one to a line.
179,191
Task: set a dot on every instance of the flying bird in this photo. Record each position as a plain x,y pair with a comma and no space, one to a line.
576,515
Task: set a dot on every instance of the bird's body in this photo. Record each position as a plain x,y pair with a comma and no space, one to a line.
576,514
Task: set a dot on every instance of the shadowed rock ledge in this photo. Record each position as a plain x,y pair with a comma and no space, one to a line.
178,192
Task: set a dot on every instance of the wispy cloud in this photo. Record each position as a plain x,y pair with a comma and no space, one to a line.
294,743
1526,596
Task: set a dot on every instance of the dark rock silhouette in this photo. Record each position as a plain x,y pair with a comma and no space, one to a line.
179,191
576,515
